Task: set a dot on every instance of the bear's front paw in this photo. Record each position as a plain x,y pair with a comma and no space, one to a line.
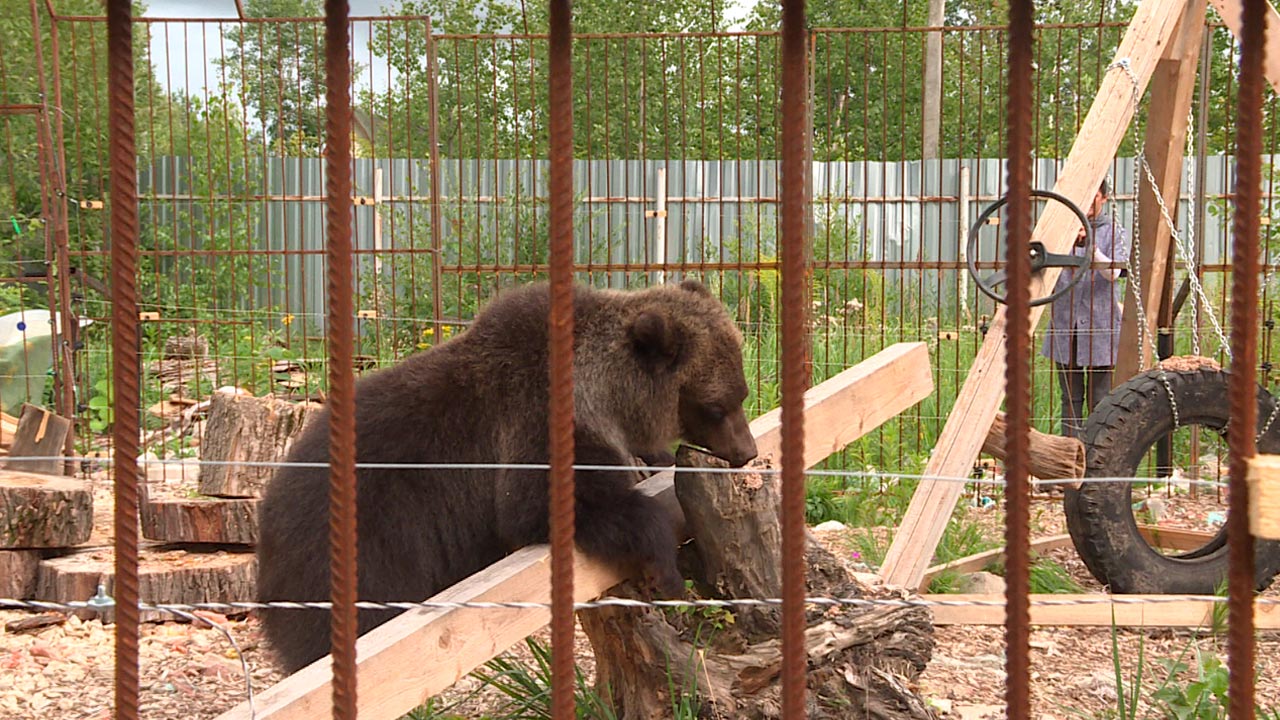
665,581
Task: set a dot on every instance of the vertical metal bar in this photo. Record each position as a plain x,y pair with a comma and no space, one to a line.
51,128
433,170
124,350
1018,365
794,181
342,423
560,221
1242,388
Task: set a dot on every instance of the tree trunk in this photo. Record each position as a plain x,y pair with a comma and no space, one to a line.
200,520
43,511
862,660
1052,457
164,576
18,573
245,429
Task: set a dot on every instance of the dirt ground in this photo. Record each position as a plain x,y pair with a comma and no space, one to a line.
191,671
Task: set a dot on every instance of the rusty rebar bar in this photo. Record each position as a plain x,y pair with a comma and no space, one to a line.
793,249
560,222
1242,387
341,401
1018,364
124,350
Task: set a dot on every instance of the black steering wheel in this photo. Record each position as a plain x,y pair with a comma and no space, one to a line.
1040,258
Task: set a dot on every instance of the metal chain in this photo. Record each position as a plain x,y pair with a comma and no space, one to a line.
1183,243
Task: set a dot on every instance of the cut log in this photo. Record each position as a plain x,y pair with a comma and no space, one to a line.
18,573
861,661
43,511
200,520
166,575
245,429
40,434
1052,457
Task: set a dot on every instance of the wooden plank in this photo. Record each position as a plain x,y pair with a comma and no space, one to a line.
40,434
976,562
1231,11
883,380
978,400
421,652
1174,538
1172,86
1159,612
1264,496
1164,538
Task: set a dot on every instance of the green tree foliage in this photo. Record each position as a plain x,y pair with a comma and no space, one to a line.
81,65
278,67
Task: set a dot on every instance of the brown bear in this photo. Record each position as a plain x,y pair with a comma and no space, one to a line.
651,367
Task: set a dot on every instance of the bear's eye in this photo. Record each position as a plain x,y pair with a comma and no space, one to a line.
714,412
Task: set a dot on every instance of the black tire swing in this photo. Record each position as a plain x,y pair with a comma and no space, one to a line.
1119,433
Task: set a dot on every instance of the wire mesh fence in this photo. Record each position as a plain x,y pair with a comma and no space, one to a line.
677,145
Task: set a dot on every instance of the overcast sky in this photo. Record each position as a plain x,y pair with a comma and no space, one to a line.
182,53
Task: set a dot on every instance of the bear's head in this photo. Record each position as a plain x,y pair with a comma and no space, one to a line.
691,351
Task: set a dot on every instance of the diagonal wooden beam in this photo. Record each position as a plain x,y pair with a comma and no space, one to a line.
976,404
421,652
1172,86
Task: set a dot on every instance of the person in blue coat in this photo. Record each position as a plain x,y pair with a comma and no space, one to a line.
1084,326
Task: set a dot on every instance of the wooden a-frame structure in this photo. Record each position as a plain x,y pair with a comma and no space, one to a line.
1161,47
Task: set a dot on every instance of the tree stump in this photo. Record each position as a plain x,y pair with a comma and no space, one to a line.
200,520
18,573
40,434
861,660
43,511
165,575
246,429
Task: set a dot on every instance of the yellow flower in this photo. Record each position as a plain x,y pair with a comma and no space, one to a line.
423,346
428,332
446,330
287,319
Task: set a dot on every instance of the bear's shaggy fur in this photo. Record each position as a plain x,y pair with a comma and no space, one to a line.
650,367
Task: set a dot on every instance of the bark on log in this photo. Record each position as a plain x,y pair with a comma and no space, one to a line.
200,520
165,575
862,660
18,573
40,434
1052,457
245,429
43,511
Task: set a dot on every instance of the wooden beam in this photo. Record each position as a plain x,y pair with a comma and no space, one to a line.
1230,11
1164,538
1158,612
1264,496
1172,86
1174,538
976,562
421,652
978,400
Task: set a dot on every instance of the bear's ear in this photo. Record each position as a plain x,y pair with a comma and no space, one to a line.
695,286
653,338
